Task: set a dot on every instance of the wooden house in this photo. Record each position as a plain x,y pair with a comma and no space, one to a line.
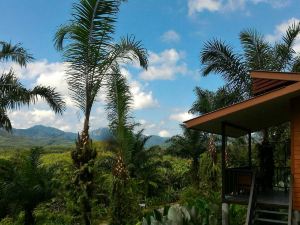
276,100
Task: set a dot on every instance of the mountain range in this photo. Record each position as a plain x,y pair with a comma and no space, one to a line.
40,135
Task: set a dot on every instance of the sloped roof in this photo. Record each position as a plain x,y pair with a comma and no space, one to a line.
257,113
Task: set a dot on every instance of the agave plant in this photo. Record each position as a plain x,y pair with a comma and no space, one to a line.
178,215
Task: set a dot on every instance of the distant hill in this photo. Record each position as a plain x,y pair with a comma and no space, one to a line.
48,136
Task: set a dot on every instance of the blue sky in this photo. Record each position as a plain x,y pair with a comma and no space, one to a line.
173,31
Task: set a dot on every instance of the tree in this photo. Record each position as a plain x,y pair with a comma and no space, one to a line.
145,165
208,101
119,101
189,145
25,183
13,94
258,54
91,54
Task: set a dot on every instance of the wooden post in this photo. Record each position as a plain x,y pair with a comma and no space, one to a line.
225,214
223,160
249,150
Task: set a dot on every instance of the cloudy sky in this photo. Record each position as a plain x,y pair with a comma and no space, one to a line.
173,31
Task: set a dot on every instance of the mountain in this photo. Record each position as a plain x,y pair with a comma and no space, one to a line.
40,135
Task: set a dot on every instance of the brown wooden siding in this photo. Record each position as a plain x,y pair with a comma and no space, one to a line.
261,86
295,151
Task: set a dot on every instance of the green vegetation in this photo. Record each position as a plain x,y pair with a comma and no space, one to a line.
13,94
120,181
92,57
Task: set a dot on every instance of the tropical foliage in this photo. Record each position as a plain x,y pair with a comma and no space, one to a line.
120,181
258,54
25,183
92,56
13,94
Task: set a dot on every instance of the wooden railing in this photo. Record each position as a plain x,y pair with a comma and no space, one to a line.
281,179
290,202
252,201
238,181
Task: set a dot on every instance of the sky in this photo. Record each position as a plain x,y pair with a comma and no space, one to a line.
173,32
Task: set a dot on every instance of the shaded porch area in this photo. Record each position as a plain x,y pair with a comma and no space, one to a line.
238,183
276,101
274,198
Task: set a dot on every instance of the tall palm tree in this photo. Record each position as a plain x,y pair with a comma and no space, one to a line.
119,102
91,53
258,54
13,94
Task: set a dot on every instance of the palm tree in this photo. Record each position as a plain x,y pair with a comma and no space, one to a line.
25,183
208,101
145,165
189,145
119,102
91,54
258,54
13,94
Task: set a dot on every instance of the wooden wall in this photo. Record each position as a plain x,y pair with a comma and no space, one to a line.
295,151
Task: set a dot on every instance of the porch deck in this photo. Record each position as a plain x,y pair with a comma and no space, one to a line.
272,198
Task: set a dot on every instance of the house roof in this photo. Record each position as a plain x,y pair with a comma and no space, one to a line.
266,110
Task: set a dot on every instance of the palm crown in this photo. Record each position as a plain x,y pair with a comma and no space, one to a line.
258,54
13,94
91,52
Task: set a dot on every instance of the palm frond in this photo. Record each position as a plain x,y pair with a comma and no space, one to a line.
256,49
128,49
204,102
119,103
5,121
296,64
208,101
49,94
284,52
218,57
15,53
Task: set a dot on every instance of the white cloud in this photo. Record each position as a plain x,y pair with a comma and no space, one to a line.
181,116
170,36
195,6
53,74
165,65
26,118
280,30
198,6
164,133
273,3
141,98
35,69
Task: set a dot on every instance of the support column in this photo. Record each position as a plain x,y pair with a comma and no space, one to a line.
223,160
296,217
249,150
225,214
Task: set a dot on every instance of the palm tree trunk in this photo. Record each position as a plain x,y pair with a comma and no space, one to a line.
266,135
195,171
29,218
86,124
